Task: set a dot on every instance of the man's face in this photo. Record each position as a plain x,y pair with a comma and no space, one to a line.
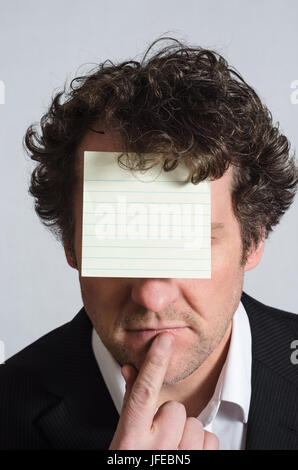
201,309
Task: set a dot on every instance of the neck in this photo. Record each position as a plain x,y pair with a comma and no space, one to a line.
196,391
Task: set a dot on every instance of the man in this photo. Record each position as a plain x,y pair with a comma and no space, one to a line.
205,365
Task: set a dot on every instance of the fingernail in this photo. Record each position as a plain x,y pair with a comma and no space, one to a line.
165,341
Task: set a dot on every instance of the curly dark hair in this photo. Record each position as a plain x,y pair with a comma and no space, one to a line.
182,103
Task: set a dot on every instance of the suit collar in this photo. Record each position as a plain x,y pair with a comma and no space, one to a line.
273,414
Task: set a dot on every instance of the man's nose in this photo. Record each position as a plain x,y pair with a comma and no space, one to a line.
154,294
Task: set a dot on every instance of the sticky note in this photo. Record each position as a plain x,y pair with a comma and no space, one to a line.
145,224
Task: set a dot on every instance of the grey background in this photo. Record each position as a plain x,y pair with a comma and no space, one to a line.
41,45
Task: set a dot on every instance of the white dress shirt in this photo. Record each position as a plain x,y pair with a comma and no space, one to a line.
226,414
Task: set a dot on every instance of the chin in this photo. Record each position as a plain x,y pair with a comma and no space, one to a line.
175,375
177,371
184,361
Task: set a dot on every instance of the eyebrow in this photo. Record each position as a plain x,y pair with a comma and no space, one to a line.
217,225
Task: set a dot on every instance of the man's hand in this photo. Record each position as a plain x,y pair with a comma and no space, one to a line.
169,429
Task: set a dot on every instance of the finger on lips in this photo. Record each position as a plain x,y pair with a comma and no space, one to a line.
142,401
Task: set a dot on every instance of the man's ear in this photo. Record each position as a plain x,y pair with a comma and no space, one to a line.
255,254
70,256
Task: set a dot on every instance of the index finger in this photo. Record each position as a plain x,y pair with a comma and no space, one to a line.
140,407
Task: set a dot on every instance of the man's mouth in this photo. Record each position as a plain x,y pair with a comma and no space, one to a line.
145,334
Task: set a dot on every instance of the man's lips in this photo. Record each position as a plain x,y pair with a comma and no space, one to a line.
159,329
148,333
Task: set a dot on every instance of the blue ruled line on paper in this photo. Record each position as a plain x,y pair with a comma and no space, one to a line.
144,269
129,257
138,191
146,214
150,202
150,238
133,180
125,246
136,223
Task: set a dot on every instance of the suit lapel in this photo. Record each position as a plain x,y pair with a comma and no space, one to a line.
63,430
80,413
272,422
273,415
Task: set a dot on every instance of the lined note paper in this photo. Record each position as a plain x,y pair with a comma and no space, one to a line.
143,224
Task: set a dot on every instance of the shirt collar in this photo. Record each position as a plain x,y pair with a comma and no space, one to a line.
110,370
236,387
233,385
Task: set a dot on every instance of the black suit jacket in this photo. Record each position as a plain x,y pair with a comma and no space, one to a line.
52,395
